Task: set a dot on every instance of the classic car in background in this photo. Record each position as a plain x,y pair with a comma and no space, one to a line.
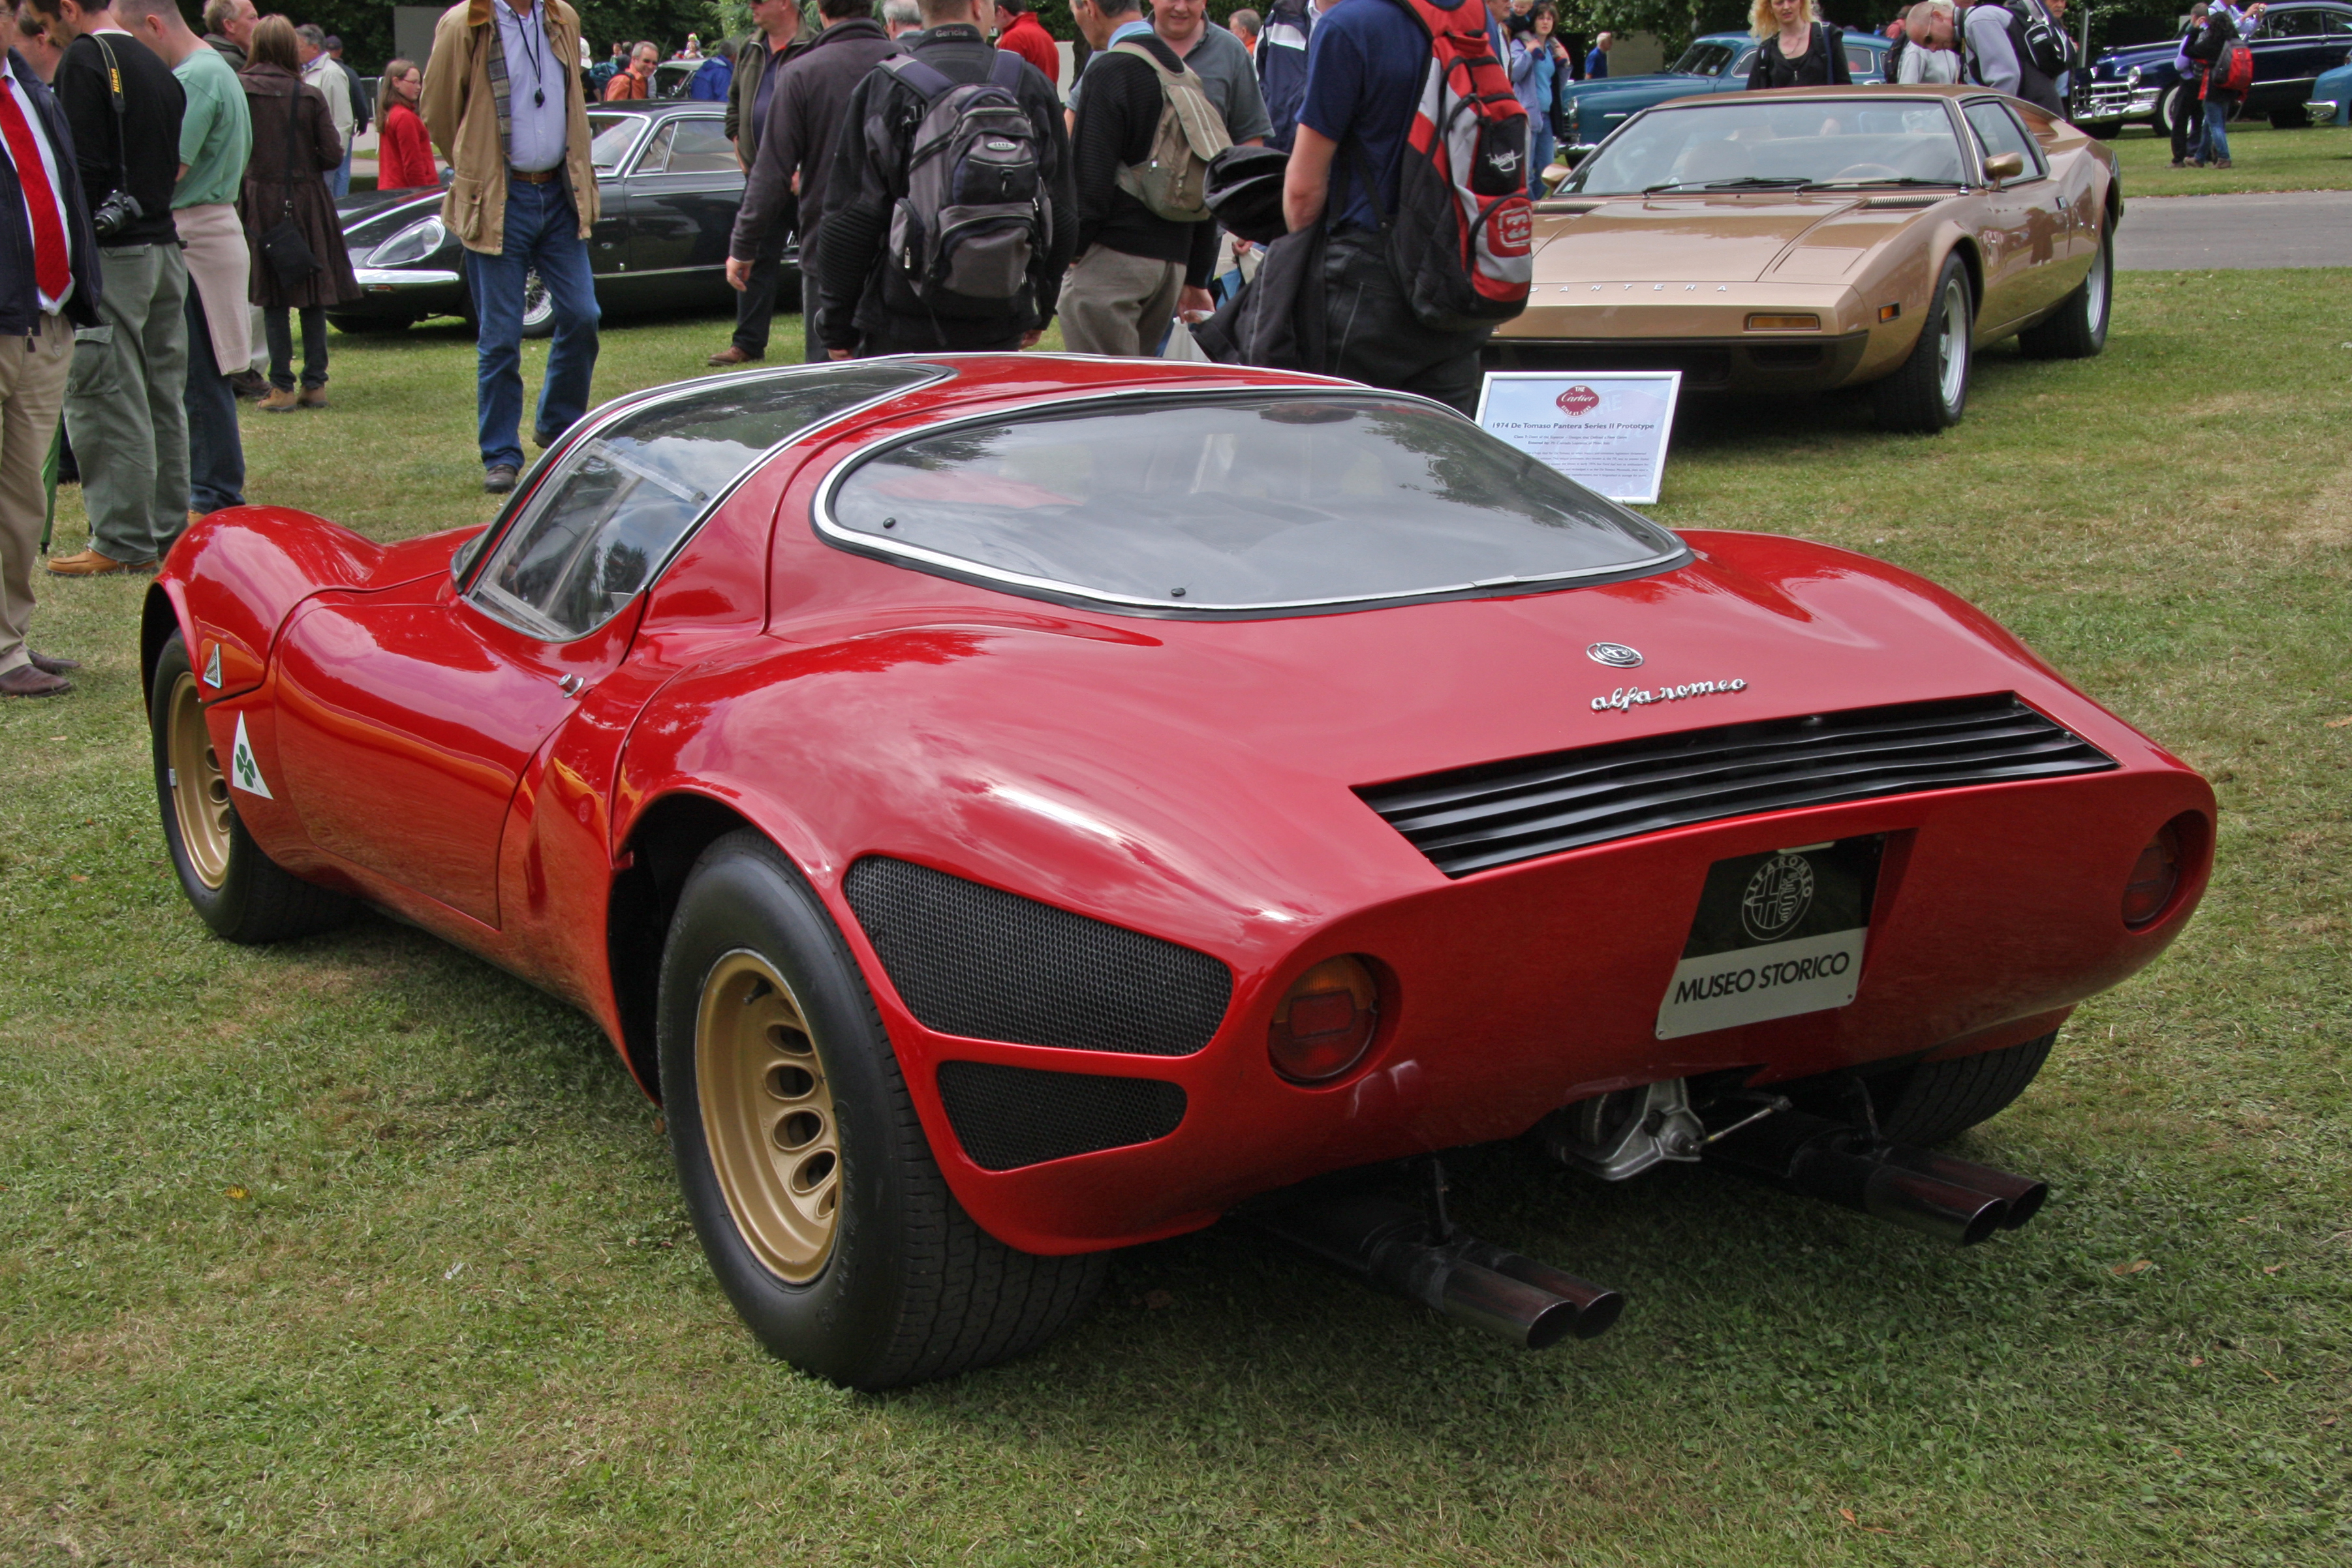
765,723
670,187
1823,237
2331,97
2298,40
1717,62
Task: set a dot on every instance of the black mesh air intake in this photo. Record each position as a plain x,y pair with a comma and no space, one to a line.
977,961
1472,819
1007,1117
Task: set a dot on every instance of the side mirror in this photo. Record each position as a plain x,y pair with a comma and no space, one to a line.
2002,167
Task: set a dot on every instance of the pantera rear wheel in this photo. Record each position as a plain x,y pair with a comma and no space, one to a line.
803,1166
1939,1100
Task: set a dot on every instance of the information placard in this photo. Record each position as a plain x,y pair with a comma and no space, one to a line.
1607,429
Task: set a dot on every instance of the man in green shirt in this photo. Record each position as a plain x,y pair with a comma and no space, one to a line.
215,139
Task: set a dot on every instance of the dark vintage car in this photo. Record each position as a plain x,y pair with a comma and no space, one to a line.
670,187
2297,42
1718,62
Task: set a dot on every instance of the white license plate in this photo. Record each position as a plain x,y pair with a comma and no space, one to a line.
1776,935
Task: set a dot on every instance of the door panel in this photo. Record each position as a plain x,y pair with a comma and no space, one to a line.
405,720
683,199
2021,238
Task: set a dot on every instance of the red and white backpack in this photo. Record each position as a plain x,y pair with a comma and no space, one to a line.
1460,240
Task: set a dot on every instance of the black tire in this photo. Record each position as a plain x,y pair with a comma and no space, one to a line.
1926,393
907,1287
370,326
243,894
2171,104
1941,1098
2290,117
2077,329
2102,129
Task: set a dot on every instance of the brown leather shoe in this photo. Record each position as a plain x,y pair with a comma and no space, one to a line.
90,563
24,681
250,383
281,400
732,355
313,397
49,665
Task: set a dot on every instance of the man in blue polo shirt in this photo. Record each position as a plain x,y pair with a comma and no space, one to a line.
1364,69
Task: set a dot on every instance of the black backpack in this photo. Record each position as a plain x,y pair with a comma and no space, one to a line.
974,211
2038,39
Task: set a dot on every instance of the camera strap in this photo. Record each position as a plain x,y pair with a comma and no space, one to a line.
122,133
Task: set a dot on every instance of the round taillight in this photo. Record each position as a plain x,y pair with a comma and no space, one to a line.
1324,1022
2155,877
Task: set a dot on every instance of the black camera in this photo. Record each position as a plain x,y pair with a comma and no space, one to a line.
117,212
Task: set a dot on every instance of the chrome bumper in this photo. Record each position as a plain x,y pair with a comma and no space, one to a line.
2120,100
399,280
2323,111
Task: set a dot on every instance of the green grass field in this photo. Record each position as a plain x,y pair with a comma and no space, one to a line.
358,1251
2313,158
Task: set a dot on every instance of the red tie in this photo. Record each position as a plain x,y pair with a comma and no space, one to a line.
52,268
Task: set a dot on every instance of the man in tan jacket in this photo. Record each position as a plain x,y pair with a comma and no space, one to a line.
502,103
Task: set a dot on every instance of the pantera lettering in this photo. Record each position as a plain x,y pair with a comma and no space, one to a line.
1627,697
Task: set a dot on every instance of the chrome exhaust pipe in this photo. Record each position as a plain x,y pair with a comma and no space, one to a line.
1951,1199
1531,1305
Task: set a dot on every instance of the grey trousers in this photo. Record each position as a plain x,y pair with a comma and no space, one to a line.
1114,303
32,389
125,413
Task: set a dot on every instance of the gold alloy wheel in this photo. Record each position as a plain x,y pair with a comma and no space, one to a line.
767,1115
199,788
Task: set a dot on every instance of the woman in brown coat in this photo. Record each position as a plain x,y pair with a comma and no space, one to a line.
294,148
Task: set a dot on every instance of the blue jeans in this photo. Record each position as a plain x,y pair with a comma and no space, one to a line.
1540,147
216,450
2217,127
542,236
339,180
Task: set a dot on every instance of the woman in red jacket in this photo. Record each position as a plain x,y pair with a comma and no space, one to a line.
404,154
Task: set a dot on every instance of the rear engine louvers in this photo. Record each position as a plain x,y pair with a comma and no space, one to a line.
977,961
1007,1117
1472,819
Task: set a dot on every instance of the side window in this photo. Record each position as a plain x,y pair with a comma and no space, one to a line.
700,147
2336,24
1860,59
593,533
1743,64
1998,131
656,158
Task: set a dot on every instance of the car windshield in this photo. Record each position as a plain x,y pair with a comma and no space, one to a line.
609,138
1236,501
1702,59
1788,145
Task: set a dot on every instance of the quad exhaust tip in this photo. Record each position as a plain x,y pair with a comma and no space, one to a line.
1400,1248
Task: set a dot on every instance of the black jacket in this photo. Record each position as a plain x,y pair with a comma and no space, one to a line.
20,302
1117,116
810,104
148,143
862,291
752,55
1821,65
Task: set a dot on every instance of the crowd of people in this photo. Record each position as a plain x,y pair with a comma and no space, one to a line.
947,188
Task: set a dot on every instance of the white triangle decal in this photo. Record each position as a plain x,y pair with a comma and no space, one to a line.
244,771
212,668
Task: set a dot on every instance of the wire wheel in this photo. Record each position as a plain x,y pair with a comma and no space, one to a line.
199,786
768,1116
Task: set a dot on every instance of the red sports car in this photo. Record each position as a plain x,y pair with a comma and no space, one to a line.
1010,808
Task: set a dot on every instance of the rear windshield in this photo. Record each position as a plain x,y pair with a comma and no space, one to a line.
1236,501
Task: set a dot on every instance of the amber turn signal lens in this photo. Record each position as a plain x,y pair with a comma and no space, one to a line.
1890,312
1324,1022
2153,878
1784,323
